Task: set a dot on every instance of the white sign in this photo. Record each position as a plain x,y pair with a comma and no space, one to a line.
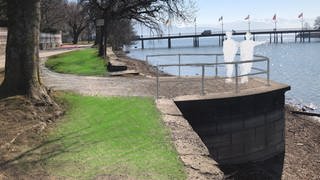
100,22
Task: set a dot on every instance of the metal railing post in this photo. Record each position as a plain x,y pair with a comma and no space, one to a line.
202,81
179,64
268,72
237,78
157,93
216,65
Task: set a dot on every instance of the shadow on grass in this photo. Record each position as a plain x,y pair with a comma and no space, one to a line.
46,150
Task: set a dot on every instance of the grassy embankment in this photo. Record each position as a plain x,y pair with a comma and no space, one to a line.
116,136
81,62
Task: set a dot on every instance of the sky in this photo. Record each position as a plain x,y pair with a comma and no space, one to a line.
208,11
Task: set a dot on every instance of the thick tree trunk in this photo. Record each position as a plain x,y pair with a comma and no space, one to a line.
75,38
22,52
101,53
98,34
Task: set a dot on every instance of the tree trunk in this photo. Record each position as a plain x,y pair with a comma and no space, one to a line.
98,34
101,37
22,52
75,38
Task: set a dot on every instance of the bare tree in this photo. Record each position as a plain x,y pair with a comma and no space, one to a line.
77,20
317,23
121,33
22,52
147,12
53,15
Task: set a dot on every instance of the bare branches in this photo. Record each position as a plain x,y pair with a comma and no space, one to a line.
148,12
77,20
52,15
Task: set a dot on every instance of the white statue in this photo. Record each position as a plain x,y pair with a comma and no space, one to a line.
230,48
246,54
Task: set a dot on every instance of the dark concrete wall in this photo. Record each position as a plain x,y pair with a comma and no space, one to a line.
239,129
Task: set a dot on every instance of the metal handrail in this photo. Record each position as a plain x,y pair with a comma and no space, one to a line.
258,58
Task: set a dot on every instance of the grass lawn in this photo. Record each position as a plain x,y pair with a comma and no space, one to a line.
112,136
81,62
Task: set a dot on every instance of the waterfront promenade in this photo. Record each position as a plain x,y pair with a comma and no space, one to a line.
170,87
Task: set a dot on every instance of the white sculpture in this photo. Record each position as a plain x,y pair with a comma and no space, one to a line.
246,54
230,48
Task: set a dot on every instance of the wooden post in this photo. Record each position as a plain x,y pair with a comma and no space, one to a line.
222,40
195,42
169,43
142,44
270,38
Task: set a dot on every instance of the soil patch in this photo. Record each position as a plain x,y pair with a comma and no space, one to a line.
302,156
22,134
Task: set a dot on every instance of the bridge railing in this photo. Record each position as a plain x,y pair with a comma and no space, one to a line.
215,65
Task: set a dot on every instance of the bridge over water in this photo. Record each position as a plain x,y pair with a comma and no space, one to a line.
275,36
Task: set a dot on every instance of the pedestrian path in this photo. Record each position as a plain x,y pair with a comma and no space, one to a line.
2,63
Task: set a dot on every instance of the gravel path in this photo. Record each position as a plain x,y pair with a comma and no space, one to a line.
141,85
137,85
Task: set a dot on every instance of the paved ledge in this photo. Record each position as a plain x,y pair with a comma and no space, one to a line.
124,73
192,151
2,63
243,92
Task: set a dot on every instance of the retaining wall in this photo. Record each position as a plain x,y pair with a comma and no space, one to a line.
239,129
47,40
3,40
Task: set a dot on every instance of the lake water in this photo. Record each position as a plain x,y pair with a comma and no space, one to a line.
295,64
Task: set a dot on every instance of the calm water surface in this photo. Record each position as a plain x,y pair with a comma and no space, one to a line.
296,64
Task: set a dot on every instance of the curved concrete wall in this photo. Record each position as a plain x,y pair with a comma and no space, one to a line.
239,129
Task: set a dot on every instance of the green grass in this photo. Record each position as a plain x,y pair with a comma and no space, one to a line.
81,62
114,136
